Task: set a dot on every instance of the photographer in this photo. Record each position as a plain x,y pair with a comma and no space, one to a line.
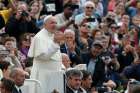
20,22
110,60
133,70
96,67
64,20
15,57
124,24
110,19
126,57
87,15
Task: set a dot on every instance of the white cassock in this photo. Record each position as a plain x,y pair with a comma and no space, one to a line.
47,61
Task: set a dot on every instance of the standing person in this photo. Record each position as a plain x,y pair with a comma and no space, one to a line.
64,20
45,48
20,22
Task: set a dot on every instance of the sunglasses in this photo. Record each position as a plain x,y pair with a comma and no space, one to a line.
84,25
25,39
89,7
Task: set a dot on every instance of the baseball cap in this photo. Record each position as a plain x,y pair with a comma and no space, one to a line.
98,43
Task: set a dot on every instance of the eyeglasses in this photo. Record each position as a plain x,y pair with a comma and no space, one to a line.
84,25
25,39
114,27
89,7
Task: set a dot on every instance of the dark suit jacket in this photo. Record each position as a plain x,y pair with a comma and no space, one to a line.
74,57
68,90
15,90
64,49
99,71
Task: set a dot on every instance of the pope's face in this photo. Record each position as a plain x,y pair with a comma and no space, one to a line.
50,25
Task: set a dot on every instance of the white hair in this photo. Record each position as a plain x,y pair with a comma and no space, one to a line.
47,17
64,54
69,31
89,3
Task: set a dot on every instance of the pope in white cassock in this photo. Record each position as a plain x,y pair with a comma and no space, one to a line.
47,61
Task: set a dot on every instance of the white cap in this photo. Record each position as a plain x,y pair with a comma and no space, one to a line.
47,17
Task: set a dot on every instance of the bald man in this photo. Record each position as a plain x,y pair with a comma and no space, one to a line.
18,76
45,49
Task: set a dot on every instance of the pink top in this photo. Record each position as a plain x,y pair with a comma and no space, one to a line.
111,5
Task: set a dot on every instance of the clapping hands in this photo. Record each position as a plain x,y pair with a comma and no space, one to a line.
58,37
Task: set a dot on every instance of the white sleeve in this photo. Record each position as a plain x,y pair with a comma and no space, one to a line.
60,22
77,20
50,51
42,49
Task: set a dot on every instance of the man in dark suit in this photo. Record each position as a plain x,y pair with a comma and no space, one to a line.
69,47
73,79
18,76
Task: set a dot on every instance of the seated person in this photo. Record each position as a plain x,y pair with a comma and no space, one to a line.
65,62
70,48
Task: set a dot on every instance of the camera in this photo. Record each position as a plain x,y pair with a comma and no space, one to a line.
24,14
102,89
4,52
90,19
110,20
106,59
74,6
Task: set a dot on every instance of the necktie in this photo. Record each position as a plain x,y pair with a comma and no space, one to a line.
20,91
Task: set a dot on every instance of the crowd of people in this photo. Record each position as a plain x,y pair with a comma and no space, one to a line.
93,46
